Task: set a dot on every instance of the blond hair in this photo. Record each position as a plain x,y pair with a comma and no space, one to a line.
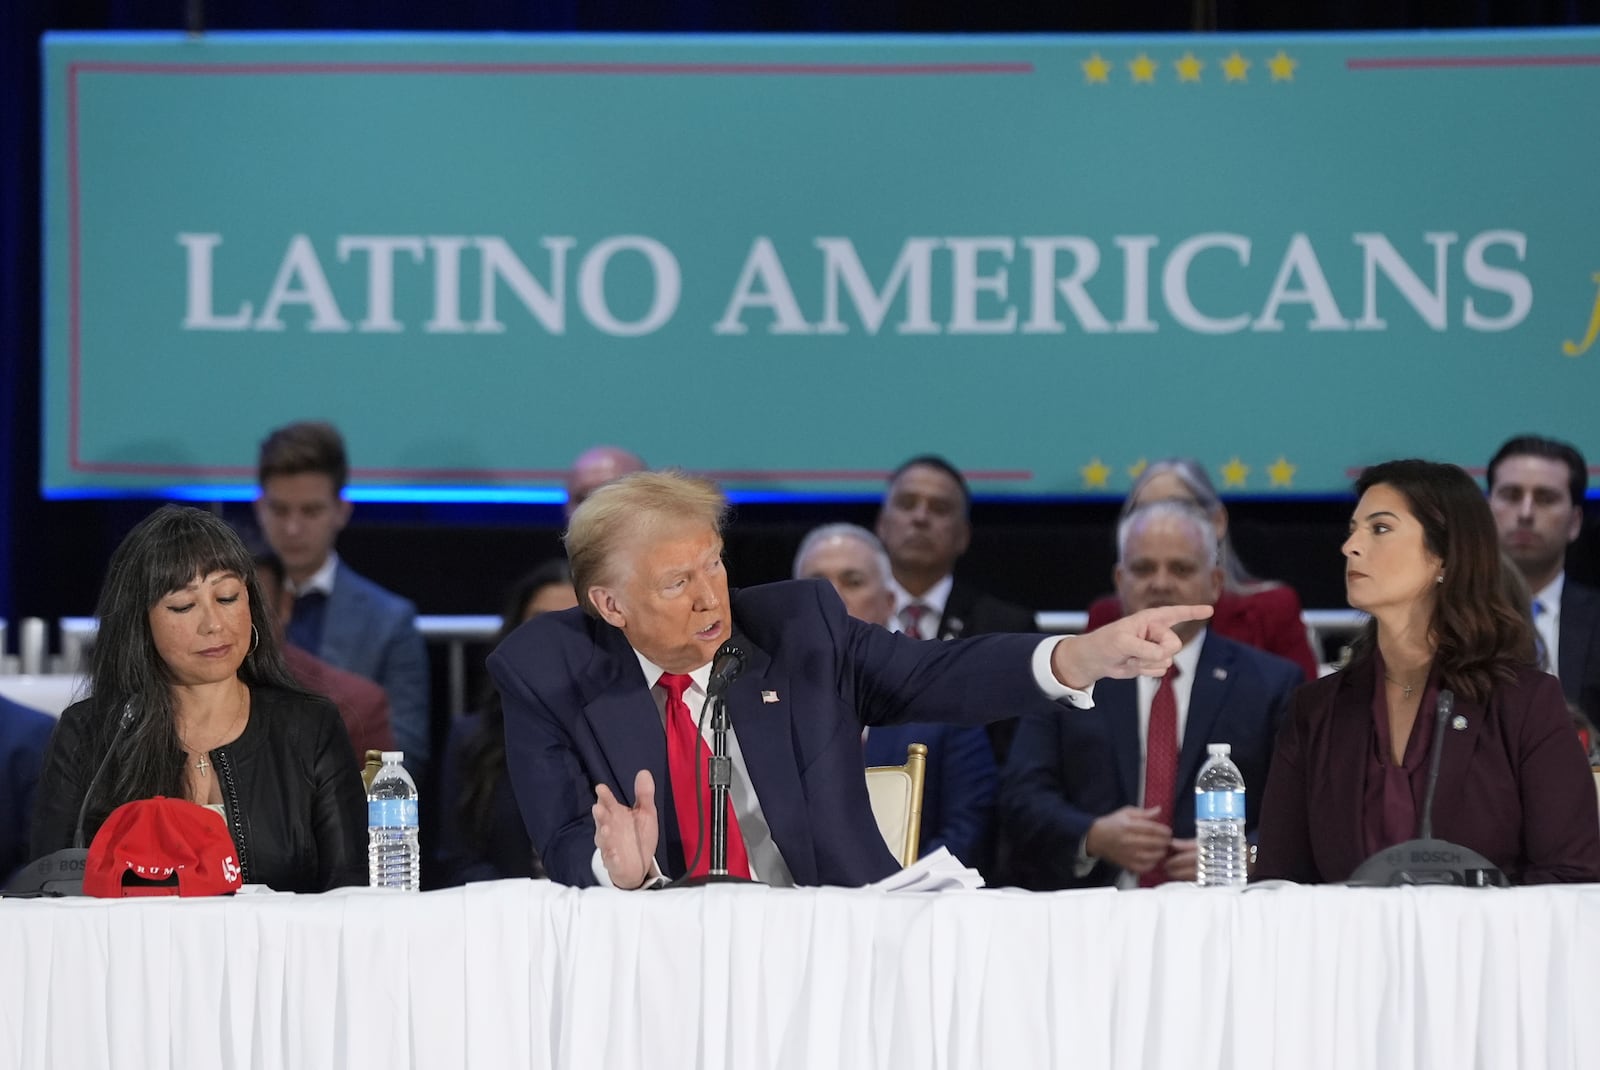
631,507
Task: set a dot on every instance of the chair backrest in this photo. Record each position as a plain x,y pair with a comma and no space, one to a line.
896,794
370,767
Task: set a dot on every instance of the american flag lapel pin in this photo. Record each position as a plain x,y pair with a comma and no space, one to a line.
769,696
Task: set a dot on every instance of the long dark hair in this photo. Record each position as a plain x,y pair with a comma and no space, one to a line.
1478,633
483,756
165,552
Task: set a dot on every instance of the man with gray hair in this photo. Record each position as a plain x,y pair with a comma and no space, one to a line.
1107,797
958,790
600,701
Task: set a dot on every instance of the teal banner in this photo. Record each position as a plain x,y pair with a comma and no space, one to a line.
793,262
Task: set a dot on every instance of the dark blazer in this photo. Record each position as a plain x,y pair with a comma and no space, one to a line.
958,790
1579,656
969,611
1268,619
373,633
1514,784
579,713
506,852
24,735
1067,771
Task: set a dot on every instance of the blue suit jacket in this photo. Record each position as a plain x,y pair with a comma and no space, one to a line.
1065,772
1579,656
373,633
958,791
24,734
580,713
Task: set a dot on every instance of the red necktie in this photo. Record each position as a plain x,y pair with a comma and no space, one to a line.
912,616
1161,761
686,760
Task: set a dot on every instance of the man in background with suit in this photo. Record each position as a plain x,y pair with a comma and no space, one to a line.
924,524
604,753
338,615
1536,492
958,789
1108,797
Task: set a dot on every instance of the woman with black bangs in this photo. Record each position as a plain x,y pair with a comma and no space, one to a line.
184,648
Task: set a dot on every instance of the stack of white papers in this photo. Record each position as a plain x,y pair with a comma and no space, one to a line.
940,871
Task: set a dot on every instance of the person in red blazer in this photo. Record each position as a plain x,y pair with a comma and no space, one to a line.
1261,613
1350,766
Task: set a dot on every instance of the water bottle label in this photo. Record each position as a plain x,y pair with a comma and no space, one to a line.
1219,806
392,813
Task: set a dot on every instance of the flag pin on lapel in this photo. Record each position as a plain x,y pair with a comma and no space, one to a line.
1219,673
769,696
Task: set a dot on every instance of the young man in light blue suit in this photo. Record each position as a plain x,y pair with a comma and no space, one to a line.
340,616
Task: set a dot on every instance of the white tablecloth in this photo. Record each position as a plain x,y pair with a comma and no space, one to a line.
517,973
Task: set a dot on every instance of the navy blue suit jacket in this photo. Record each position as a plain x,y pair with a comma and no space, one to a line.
958,790
1067,771
24,734
1579,656
579,713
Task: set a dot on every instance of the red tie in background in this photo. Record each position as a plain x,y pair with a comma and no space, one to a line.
1161,761
911,616
687,754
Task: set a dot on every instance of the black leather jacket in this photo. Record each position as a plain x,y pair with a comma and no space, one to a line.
290,785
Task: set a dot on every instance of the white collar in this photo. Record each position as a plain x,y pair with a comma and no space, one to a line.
1550,597
1188,659
934,599
320,580
652,673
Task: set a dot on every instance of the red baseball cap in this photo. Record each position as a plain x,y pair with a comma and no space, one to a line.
161,846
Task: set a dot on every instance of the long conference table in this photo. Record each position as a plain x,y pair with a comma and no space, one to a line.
527,974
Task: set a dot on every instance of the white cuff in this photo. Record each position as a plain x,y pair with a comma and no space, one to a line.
599,869
1045,677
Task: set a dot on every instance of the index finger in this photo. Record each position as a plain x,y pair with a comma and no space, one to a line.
1166,616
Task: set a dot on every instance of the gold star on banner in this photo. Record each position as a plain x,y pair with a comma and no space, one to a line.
1143,68
1096,69
1234,473
1095,474
1189,67
1282,472
1137,468
1282,67
1235,67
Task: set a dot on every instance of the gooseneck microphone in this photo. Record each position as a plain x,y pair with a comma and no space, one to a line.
1426,860
61,872
123,722
725,669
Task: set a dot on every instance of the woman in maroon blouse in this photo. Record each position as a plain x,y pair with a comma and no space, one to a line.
1350,766
1264,614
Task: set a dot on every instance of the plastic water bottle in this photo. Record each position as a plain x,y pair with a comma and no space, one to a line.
394,857
1219,821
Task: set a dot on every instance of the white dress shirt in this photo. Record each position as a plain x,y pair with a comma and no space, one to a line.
766,861
1548,622
320,580
934,599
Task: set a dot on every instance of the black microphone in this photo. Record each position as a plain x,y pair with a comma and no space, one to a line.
123,722
1426,860
61,872
725,668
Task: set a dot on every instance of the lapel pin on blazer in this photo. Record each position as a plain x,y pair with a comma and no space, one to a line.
1459,723
1219,673
769,696
953,628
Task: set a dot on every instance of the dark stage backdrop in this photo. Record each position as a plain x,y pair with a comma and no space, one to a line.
458,558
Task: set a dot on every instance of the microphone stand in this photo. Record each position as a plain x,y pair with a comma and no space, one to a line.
719,769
